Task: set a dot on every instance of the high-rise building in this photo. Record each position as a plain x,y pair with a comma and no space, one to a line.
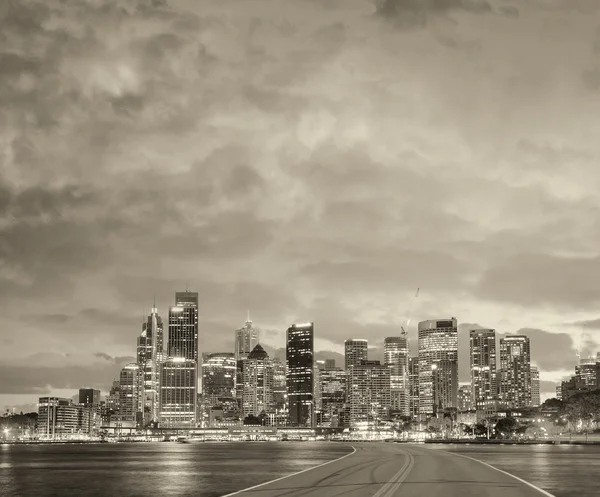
89,397
333,395
396,355
329,363
257,396
445,384
246,339
89,419
178,392
131,396
589,373
113,399
465,398
438,341
183,326
317,386
484,384
149,353
515,377
218,377
279,385
300,362
535,387
413,381
369,394
355,351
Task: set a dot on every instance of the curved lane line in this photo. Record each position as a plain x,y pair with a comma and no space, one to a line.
403,477
541,490
397,479
289,476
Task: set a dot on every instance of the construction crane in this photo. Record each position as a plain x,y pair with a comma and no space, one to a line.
404,326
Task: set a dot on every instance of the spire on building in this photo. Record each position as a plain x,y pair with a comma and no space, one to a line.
248,320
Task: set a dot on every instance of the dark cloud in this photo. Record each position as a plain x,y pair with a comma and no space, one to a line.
589,323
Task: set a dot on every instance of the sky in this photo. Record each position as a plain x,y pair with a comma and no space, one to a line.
314,160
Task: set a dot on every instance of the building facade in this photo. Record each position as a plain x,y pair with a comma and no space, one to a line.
438,341
149,351
300,364
218,377
369,392
515,375
482,345
178,397
396,356
465,398
245,340
183,327
333,395
131,396
535,387
413,380
257,396
355,351
445,385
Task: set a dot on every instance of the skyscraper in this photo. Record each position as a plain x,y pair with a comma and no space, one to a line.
183,326
246,339
369,395
355,351
131,396
438,341
257,396
395,351
218,376
445,384
413,380
515,375
484,384
535,387
149,354
178,392
465,398
300,362
333,395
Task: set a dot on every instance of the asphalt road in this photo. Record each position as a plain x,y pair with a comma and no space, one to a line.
397,470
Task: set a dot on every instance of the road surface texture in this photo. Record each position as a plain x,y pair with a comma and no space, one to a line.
397,470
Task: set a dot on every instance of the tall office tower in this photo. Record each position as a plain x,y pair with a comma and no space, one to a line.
588,373
484,383
257,396
515,378
445,384
178,392
218,377
413,381
465,398
246,339
279,385
395,351
89,397
369,394
438,341
329,363
183,326
300,361
131,396
149,354
113,398
355,351
317,387
333,395
535,386
89,410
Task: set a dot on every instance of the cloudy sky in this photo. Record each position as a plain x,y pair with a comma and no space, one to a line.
307,160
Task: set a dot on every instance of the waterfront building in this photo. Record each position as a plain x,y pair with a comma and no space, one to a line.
465,398
279,385
438,341
245,339
396,356
218,377
333,395
183,326
131,396
178,387
515,377
413,381
89,415
369,392
89,397
60,418
445,385
535,387
300,362
149,351
257,396
482,344
355,351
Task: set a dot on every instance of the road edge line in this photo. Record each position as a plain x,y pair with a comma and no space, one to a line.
535,487
238,492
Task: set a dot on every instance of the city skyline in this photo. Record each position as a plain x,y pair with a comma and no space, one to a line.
345,167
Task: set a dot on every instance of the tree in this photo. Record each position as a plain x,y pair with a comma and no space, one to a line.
506,427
